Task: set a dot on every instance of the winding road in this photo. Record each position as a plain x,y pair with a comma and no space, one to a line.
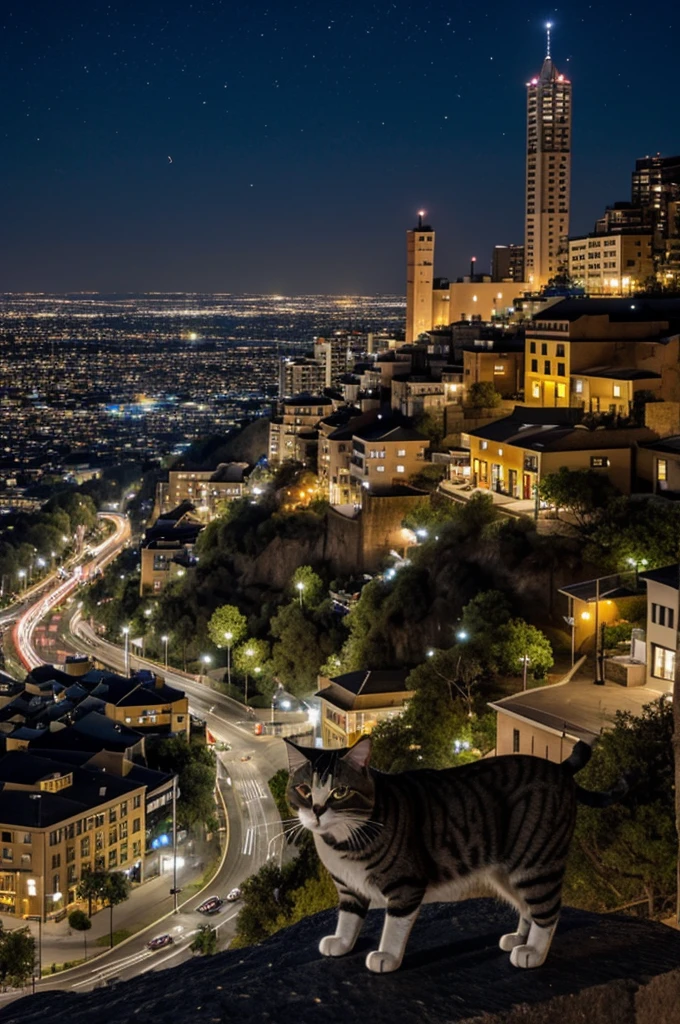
252,822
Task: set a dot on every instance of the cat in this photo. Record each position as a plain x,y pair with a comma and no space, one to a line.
504,821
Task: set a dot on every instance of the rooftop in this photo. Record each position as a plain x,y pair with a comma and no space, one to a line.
645,310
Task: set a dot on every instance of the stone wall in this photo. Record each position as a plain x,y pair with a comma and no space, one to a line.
381,524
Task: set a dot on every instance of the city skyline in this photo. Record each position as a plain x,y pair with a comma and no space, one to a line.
248,152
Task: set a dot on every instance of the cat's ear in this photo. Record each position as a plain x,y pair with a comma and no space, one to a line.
296,756
359,755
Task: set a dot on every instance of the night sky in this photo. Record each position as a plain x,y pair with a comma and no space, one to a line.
285,147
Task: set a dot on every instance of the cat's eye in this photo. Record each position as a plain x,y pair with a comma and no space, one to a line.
341,792
303,790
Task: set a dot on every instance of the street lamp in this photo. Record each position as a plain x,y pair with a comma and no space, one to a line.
126,634
461,635
229,636
525,659
249,652
148,612
300,586
205,659
164,641
22,576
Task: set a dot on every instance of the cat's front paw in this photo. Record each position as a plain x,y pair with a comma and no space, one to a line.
511,940
381,963
334,945
527,956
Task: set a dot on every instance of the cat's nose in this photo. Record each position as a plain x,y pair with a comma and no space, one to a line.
318,810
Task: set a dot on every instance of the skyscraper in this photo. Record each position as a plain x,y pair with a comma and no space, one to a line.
419,279
548,173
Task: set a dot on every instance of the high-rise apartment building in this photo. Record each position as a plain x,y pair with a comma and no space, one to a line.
547,174
334,353
302,374
656,184
419,279
507,263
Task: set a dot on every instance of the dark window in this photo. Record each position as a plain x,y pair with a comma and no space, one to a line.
515,741
546,367
532,346
544,349
560,351
560,370
534,365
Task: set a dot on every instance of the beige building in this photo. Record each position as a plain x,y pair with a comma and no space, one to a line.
662,626
577,335
353,704
616,264
301,376
658,466
167,549
298,415
512,455
144,704
58,821
207,490
419,279
385,453
416,394
548,173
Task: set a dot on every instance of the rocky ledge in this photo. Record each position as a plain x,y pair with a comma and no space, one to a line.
601,970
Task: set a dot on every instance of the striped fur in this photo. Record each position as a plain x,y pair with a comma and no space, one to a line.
390,839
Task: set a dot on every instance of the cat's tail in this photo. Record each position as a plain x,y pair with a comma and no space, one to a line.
615,795
577,760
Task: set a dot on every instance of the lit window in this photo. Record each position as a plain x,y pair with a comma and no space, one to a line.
483,445
578,387
401,453
536,390
617,391
663,662
561,390
599,461
499,368
380,469
662,469
401,469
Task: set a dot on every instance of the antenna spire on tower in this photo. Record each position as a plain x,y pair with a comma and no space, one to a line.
548,26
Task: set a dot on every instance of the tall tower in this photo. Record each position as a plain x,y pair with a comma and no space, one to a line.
548,172
419,279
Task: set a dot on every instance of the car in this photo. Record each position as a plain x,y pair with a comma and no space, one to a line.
160,942
211,905
234,895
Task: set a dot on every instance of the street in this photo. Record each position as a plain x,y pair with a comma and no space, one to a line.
253,829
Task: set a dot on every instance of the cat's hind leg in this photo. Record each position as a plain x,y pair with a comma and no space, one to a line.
499,881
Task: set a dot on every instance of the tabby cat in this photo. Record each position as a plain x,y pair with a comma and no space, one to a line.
504,821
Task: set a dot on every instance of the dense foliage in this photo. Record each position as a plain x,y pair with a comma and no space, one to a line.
628,852
194,764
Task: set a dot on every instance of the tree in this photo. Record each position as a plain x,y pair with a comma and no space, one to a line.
194,765
305,641
580,492
519,647
636,531
307,587
628,851
483,395
91,888
116,890
204,941
80,922
17,957
483,615
227,619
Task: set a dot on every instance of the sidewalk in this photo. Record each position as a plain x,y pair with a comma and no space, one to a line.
146,903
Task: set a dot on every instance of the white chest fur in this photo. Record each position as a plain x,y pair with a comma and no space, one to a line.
352,872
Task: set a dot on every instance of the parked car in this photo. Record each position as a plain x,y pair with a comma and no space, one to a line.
234,895
211,905
160,942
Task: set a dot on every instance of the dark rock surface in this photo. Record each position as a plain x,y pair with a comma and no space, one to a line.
601,970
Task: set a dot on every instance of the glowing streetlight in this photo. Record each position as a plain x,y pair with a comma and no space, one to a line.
205,661
300,586
126,634
461,635
164,640
229,636
249,652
